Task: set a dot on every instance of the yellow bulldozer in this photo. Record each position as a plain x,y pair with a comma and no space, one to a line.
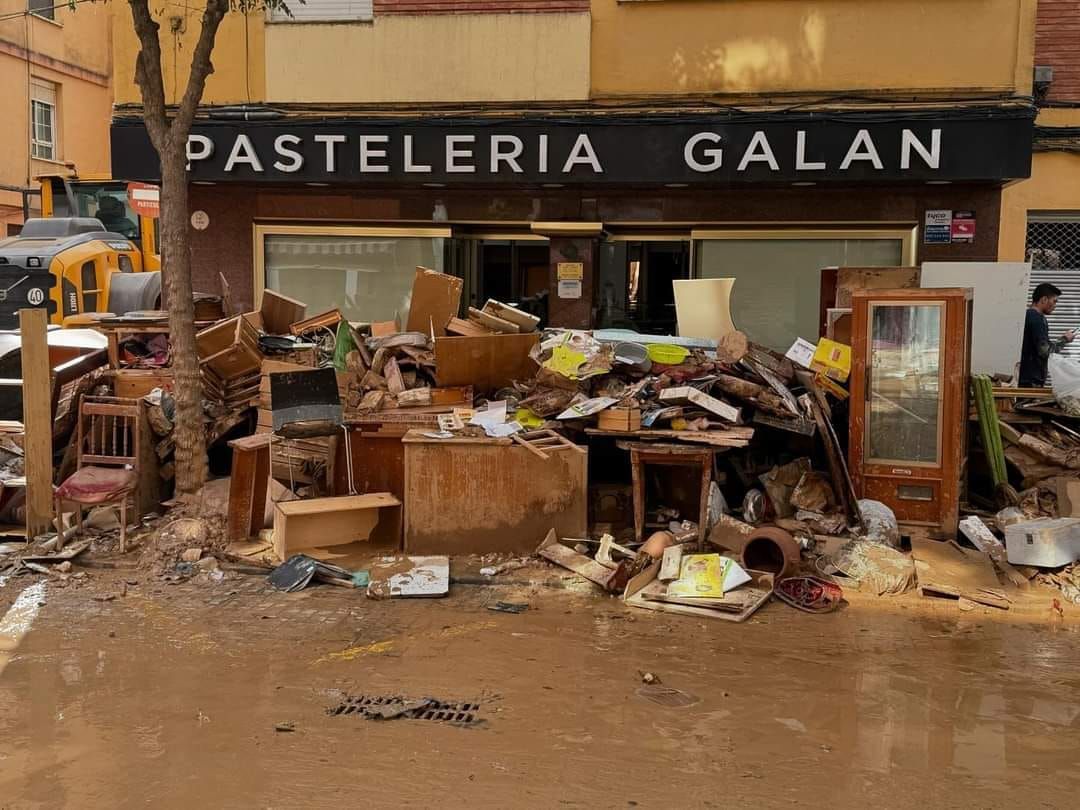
89,252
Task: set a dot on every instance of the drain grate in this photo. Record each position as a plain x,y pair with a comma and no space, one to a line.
379,707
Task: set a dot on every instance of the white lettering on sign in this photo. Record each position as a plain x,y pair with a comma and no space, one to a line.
583,154
931,157
702,152
331,142
296,160
367,153
453,154
509,157
411,166
243,152
715,157
862,148
199,147
759,151
801,163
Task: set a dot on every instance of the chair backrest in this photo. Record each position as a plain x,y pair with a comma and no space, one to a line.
109,431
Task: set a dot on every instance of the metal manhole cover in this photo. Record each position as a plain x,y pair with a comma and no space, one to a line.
378,707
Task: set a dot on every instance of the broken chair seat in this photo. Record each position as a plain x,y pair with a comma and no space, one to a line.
93,485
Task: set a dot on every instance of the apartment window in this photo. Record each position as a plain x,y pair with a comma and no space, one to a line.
367,273
324,11
42,8
43,120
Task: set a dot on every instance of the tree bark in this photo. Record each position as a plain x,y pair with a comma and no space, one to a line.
189,433
169,138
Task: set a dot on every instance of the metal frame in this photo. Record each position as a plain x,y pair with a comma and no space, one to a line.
907,235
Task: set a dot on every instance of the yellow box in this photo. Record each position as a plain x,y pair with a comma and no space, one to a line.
832,359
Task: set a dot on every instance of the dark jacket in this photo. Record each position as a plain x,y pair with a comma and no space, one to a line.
1036,349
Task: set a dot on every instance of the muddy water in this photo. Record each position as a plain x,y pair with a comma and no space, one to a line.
170,698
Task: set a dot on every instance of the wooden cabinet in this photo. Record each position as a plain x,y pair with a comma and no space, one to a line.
909,392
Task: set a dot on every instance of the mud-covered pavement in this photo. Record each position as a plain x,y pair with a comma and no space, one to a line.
216,695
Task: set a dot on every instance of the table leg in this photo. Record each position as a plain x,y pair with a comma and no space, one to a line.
638,472
703,519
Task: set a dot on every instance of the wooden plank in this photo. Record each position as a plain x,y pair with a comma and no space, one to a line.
946,569
326,522
394,383
525,321
279,312
374,500
459,326
686,393
551,549
493,321
436,298
849,279
324,320
487,363
37,420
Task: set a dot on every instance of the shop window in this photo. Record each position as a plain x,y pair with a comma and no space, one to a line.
1053,248
367,273
777,293
43,120
324,11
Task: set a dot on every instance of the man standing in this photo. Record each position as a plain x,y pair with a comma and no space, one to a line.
1037,346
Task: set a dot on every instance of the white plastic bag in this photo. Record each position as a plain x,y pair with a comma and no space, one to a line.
1065,381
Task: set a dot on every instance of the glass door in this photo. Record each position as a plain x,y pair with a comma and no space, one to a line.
634,289
904,381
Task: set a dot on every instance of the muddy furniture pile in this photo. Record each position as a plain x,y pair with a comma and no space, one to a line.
1025,496
699,473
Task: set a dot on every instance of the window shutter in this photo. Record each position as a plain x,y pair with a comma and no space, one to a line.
325,10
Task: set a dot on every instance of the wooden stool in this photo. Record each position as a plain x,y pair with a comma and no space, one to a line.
671,455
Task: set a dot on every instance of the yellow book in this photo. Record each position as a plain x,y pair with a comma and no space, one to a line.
705,576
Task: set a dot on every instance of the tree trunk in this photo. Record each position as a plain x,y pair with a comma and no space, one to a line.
188,434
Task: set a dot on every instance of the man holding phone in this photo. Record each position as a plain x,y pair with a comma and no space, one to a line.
1037,346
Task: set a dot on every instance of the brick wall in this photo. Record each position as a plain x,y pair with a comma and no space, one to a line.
1057,43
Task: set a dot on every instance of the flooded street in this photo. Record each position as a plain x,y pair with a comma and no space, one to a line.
218,696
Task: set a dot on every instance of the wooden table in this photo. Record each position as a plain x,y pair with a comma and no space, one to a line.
671,455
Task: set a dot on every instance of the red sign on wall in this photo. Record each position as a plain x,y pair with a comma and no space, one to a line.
144,199
963,226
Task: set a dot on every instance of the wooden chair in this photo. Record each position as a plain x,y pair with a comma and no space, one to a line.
108,457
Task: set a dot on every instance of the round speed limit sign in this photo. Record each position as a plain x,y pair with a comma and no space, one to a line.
35,296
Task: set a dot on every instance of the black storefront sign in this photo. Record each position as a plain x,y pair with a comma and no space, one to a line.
641,150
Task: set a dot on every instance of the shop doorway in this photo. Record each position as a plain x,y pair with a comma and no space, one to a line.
511,270
634,289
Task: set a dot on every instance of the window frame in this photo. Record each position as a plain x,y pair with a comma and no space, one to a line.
45,94
277,16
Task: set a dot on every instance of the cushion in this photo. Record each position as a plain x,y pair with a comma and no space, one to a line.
97,484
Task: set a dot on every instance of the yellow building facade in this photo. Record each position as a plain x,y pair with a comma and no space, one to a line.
55,82
645,141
